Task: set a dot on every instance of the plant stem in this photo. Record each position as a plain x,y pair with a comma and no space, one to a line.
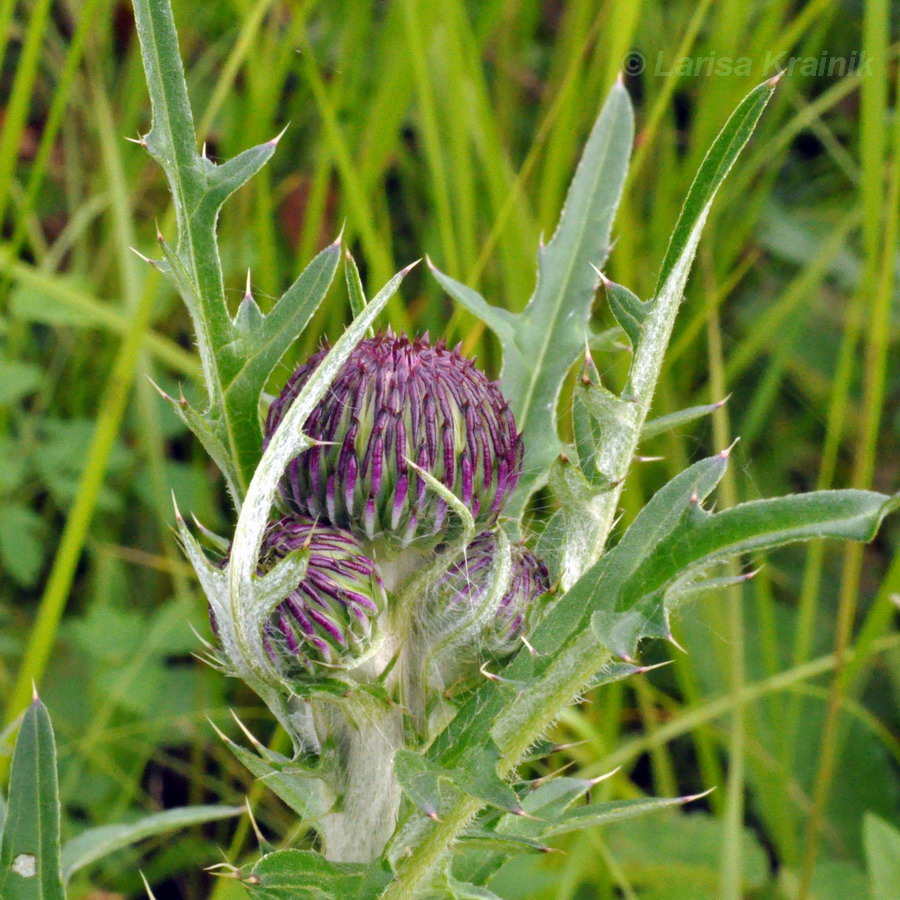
369,791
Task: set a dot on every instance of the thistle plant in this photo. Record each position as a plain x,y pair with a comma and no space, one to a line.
389,589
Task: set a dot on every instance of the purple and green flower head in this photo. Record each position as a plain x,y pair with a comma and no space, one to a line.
465,585
397,401
330,620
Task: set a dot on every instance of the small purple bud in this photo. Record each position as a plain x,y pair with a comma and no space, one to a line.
394,400
330,620
466,583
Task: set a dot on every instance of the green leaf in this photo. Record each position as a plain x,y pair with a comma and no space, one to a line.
496,842
545,803
675,420
223,180
420,780
673,539
541,343
355,289
882,843
653,321
207,435
630,311
231,354
306,875
21,544
459,890
614,811
475,775
29,851
306,794
261,349
595,413
95,843
17,380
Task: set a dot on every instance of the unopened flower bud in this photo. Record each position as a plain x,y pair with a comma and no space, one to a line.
393,401
465,586
330,619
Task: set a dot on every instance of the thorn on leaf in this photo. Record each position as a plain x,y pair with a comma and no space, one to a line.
280,135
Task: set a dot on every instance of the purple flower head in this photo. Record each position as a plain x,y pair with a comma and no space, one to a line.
394,400
465,585
330,619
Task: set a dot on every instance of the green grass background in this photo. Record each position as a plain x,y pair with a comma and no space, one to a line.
453,128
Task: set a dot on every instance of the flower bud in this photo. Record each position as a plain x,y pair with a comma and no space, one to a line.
395,400
465,585
330,620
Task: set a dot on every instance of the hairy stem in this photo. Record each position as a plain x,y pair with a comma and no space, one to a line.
369,793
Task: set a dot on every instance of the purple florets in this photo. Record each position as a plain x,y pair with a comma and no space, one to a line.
465,584
394,400
330,618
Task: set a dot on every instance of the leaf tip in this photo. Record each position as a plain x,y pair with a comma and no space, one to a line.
720,403
178,517
603,279
773,81
726,453
150,893
274,142
593,782
34,692
141,256
161,392
409,268
340,238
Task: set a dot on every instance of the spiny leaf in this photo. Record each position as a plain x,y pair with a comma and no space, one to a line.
420,779
206,434
674,420
630,311
304,793
545,803
222,180
460,890
614,811
476,775
499,320
306,875
541,343
29,852
495,842
673,538
260,350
